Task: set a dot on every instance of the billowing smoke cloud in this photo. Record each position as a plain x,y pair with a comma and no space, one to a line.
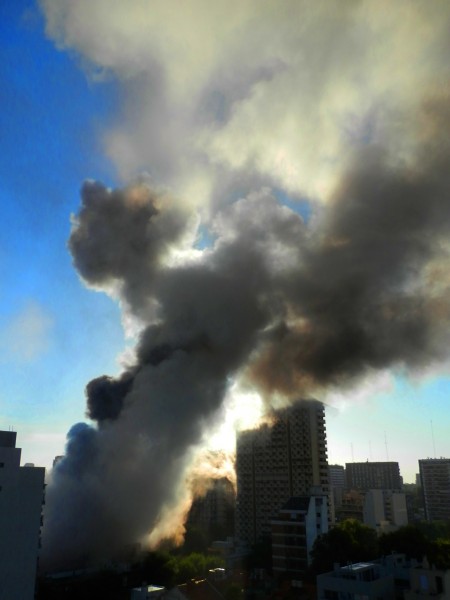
234,114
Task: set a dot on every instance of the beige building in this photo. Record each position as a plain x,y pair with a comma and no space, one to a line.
385,510
276,462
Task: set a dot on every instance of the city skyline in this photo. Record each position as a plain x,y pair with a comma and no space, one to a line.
77,110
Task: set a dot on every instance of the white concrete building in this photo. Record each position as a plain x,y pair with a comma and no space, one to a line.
294,532
21,499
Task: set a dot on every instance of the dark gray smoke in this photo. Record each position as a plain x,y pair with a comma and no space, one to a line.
370,289
292,307
105,396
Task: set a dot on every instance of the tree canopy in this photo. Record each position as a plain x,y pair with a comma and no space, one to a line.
350,541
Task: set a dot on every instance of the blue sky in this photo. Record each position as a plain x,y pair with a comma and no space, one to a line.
56,334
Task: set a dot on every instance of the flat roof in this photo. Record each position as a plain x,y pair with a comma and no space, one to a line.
361,566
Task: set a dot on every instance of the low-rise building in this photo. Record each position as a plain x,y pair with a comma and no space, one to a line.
428,583
359,580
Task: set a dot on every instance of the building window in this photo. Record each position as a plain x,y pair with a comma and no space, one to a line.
424,582
2,464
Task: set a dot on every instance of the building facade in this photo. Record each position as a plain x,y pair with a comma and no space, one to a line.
373,476
336,477
294,532
435,482
385,510
21,499
213,513
276,462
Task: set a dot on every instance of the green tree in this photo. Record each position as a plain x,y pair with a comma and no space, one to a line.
435,530
157,567
233,592
409,540
439,553
349,541
193,565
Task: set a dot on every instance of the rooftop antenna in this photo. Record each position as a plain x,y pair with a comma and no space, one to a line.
386,446
432,437
351,448
370,451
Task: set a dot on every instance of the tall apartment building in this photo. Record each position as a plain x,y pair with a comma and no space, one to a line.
435,481
21,499
213,513
276,462
336,476
373,476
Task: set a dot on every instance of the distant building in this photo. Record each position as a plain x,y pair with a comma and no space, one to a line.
21,499
57,459
276,462
435,482
385,510
351,506
213,513
294,532
336,477
373,476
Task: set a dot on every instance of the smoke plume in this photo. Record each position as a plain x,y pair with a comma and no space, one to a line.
274,109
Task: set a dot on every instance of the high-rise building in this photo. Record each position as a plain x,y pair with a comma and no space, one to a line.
213,513
276,462
373,476
21,499
336,476
435,482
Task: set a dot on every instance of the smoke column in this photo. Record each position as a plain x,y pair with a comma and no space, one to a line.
285,304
